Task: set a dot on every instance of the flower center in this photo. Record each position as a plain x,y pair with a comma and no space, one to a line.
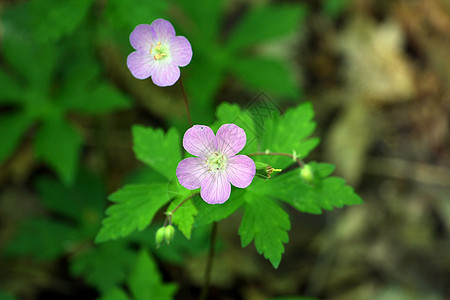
216,162
159,51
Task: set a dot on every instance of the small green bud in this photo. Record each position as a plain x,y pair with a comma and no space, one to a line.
307,174
264,170
169,232
159,237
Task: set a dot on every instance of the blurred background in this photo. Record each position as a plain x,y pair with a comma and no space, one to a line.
376,71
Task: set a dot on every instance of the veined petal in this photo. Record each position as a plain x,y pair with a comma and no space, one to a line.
165,73
240,170
216,188
191,172
141,64
230,139
180,51
199,140
142,37
163,30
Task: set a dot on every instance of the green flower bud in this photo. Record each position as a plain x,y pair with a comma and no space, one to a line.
307,174
264,170
159,237
169,232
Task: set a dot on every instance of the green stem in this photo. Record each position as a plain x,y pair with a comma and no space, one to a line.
186,102
207,278
299,161
169,214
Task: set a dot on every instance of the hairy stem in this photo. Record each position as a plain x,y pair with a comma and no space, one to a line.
207,278
186,102
299,161
169,214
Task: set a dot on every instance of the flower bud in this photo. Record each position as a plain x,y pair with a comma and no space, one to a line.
264,170
307,174
169,232
159,237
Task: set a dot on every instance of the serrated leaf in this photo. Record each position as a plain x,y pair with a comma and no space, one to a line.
209,213
183,217
54,19
145,281
12,128
267,224
157,150
103,266
104,98
58,144
266,22
42,239
266,74
135,207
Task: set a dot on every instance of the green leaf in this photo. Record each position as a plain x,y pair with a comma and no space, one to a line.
103,266
266,22
267,224
157,150
104,98
7,296
145,281
135,207
12,128
11,90
334,8
114,294
266,74
84,202
58,144
42,239
208,213
183,217
288,133
54,19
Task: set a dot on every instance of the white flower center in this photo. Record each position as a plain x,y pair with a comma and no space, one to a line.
159,51
216,162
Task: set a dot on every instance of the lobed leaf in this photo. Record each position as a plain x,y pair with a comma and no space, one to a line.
12,127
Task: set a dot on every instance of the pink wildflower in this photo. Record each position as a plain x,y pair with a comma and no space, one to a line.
216,164
159,53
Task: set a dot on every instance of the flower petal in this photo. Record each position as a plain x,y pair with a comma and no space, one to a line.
240,170
166,73
163,30
191,172
216,188
142,37
141,64
199,140
180,51
230,139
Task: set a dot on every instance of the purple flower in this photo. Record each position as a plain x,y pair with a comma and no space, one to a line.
216,164
159,53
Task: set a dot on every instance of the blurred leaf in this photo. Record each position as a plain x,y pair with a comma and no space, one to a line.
157,150
84,201
114,294
135,207
42,239
334,8
59,144
7,296
145,281
127,14
12,127
101,99
266,74
265,23
54,19
35,62
11,90
267,224
103,266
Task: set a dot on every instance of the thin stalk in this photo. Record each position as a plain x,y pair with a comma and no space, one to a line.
186,102
207,279
299,161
